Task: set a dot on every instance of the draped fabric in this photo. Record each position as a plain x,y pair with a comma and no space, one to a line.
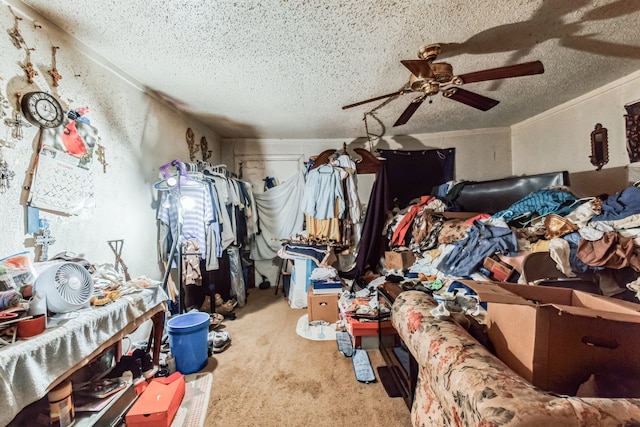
403,176
280,216
372,242
412,174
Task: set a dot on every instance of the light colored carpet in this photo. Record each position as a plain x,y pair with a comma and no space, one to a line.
271,376
316,331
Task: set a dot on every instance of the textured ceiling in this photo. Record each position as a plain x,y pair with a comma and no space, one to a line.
283,69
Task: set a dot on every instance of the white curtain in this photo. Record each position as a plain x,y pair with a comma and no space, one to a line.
280,216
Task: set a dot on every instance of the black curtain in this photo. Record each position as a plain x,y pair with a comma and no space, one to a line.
403,176
412,174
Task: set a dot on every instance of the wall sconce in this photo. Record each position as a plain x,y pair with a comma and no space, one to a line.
599,147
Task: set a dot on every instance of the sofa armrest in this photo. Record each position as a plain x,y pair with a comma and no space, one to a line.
461,383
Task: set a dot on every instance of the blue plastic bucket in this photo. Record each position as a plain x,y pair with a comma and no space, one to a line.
188,340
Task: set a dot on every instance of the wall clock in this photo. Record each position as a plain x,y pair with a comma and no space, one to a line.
42,109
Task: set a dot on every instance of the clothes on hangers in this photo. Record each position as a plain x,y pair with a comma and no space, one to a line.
323,190
195,219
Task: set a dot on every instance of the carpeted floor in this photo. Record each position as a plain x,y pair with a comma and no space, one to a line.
271,376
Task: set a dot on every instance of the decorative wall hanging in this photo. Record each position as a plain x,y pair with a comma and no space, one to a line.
191,144
599,147
53,72
101,157
632,122
6,174
28,66
16,124
204,148
4,103
44,240
14,33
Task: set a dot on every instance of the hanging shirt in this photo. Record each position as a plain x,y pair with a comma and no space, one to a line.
323,190
195,218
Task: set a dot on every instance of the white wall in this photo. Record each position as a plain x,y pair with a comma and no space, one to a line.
480,153
139,132
559,139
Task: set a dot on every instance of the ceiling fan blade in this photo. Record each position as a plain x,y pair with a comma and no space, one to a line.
470,98
516,70
373,99
408,112
419,68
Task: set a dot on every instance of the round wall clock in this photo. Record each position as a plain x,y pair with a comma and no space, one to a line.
42,109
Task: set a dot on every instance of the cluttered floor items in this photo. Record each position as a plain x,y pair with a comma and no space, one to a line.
86,312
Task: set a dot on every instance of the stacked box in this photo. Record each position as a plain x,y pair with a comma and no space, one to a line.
322,307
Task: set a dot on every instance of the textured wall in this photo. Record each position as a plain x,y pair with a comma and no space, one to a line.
560,138
139,133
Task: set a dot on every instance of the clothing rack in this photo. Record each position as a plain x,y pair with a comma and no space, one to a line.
220,169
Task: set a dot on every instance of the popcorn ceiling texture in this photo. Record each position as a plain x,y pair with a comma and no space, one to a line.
283,69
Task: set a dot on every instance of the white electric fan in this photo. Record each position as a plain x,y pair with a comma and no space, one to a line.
68,286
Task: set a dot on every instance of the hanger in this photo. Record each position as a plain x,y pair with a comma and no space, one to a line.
323,168
179,179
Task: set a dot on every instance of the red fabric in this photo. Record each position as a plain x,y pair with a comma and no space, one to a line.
405,223
478,217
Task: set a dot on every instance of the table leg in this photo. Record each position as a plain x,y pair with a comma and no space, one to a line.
158,330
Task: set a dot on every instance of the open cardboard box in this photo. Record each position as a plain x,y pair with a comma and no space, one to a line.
556,338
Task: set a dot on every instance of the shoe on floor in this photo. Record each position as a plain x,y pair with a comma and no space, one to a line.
146,363
219,341
216,320
226,307
218,300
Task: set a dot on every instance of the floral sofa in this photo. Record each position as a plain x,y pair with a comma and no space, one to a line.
461,383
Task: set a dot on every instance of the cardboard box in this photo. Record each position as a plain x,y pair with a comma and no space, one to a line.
358,329
399,260
322,307
556,338
158,404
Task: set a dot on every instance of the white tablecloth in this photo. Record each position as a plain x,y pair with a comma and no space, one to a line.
30,368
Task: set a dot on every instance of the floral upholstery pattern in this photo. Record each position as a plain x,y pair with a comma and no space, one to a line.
460,383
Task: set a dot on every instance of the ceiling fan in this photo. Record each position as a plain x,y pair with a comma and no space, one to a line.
430,77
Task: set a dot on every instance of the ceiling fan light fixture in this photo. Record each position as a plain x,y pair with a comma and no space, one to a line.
443,71
429,52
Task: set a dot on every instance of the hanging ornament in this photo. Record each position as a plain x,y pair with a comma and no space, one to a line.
101,157
6,174
53,72
44,240
28,66
16,123
4,104
191,143
14,33
204,148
